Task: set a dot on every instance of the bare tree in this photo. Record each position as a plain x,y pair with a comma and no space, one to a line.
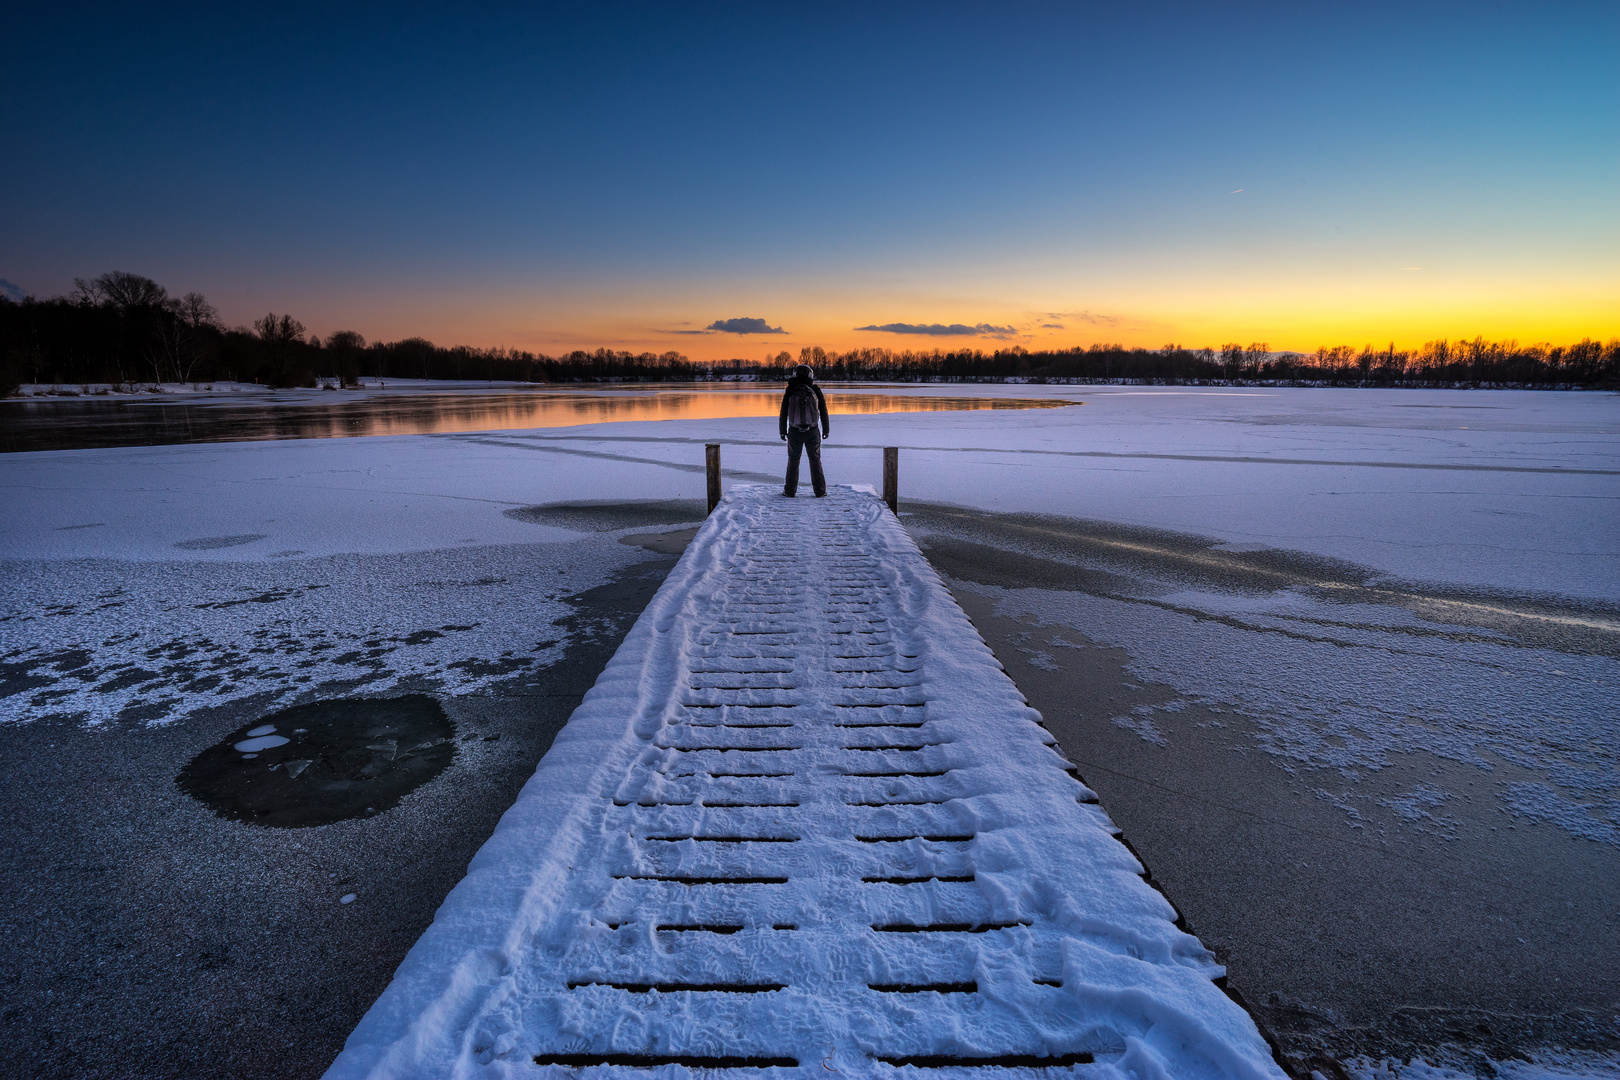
344,346
121,289
184,333
1255,358
197,312
137,299
281,334
278,329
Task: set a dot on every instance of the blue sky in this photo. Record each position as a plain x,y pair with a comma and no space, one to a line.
617,175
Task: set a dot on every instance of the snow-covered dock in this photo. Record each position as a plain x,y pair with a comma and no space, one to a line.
805,825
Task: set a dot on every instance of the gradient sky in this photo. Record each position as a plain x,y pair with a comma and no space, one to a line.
1046,175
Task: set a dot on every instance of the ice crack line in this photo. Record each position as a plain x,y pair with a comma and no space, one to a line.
804,821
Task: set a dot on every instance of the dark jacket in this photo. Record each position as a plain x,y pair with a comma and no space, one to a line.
821,404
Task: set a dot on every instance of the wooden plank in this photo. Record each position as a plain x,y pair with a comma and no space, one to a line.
891,478
711,457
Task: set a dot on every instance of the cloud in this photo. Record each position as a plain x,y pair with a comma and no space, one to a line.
1092,317
941,330
11,291
700,333
1052,326
744,326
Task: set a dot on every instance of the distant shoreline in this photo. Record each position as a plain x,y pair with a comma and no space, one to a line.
147,391
125,330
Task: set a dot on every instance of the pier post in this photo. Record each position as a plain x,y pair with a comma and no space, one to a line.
891,478
711,458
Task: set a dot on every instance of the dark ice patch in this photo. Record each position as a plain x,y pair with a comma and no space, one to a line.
269,597
479,668
611,516
133,676
1137,553
1133,562
18,678
605,612
346,758
665,543
68,659
967,561
45,670
210,543
145,712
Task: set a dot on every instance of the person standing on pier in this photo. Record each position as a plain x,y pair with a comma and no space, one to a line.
804,409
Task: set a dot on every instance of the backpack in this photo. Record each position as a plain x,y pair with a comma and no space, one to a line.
801,406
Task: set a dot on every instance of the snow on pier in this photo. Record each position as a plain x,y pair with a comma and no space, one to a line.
804,825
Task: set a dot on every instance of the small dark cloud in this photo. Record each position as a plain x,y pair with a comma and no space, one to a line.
700,333
1052,326
942,330
12,291
745,326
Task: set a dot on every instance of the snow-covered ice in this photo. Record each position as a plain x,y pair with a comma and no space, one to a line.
1543,1065
1478,528
125,643
355,564
804,819
1476,500
145,585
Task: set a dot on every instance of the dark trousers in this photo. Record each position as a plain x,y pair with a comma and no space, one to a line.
808,440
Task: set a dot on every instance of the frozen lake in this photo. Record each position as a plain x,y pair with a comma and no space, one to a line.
1342,663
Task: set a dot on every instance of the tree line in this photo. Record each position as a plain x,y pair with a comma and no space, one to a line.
128,331
1441,363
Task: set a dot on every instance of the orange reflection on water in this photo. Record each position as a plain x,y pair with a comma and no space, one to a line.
542,409
80,423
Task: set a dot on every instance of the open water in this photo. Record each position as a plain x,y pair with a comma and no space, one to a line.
84,423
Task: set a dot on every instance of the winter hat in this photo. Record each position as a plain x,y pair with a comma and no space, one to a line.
804,371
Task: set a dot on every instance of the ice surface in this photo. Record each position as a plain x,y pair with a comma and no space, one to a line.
143,584
1507,489
121,643
1326,689
802,746
120,582
1543,1065
263,742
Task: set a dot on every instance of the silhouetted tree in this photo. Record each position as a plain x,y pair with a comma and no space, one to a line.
120,289
280,335
343,349
136,303
187,331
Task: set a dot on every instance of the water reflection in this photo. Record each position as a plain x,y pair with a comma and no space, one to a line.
82,424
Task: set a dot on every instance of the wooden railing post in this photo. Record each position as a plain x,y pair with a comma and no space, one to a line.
891,478
711,458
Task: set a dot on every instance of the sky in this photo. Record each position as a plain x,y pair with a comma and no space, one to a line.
733,180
